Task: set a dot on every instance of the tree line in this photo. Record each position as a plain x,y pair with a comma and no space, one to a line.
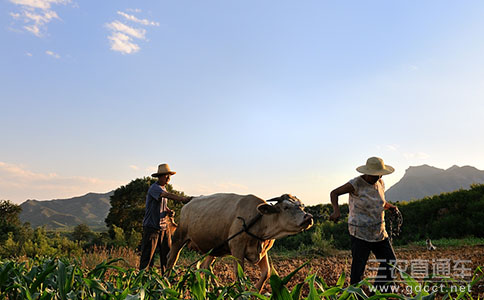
450,215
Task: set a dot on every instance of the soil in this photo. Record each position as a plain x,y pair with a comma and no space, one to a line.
456,262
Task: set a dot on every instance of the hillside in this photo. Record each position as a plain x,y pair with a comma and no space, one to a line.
90,209
423,181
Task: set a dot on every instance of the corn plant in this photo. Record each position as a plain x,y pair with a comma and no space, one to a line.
48,278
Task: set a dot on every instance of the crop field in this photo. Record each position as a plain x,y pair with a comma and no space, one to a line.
458,262
304,277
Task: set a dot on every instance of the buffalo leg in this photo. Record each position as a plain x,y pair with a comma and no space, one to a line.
177,244
239,255
207,263
264,272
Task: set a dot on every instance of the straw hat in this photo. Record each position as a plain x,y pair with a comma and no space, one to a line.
375,166
163,169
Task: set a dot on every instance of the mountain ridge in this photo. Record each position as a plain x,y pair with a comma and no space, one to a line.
423,181
90,209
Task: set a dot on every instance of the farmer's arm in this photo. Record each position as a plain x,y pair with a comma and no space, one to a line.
171,196
344,189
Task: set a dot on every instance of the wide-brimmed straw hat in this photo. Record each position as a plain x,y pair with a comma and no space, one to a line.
375,166
163,169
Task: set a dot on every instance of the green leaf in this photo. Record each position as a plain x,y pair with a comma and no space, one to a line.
296,291
5,272
290,275
61,279
279,291
39,279
313,293
101,268
95,285
341,280
198,287
331,292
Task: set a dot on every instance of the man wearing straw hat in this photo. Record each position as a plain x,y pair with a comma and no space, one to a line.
154,222
366,220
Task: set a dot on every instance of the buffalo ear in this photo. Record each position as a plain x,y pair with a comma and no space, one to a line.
267,209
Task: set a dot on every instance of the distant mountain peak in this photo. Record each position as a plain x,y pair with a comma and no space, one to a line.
423,170
454,167
423,181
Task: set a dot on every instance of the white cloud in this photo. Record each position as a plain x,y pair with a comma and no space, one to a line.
122,43
28,54
136,20
54,55
34,29
44,18
117,26
36,14
40,4
123,37
18,183
134,167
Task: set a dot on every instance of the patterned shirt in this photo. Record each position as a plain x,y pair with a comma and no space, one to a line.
366,218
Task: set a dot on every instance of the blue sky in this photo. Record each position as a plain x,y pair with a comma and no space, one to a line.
261,97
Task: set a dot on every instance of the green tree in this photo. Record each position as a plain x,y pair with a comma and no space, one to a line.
9,219
134,239
128,207
39,244
119,238
82,233
9,248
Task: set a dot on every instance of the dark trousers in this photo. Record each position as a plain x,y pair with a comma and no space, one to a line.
153,239
360,250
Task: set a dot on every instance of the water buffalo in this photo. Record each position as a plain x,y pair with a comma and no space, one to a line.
242,226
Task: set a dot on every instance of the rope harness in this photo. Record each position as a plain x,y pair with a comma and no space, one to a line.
245,228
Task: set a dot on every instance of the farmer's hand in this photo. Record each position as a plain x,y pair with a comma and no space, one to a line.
187,199
390,207
335,216
170,212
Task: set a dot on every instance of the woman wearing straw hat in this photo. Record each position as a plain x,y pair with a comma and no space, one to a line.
154,222
366,220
